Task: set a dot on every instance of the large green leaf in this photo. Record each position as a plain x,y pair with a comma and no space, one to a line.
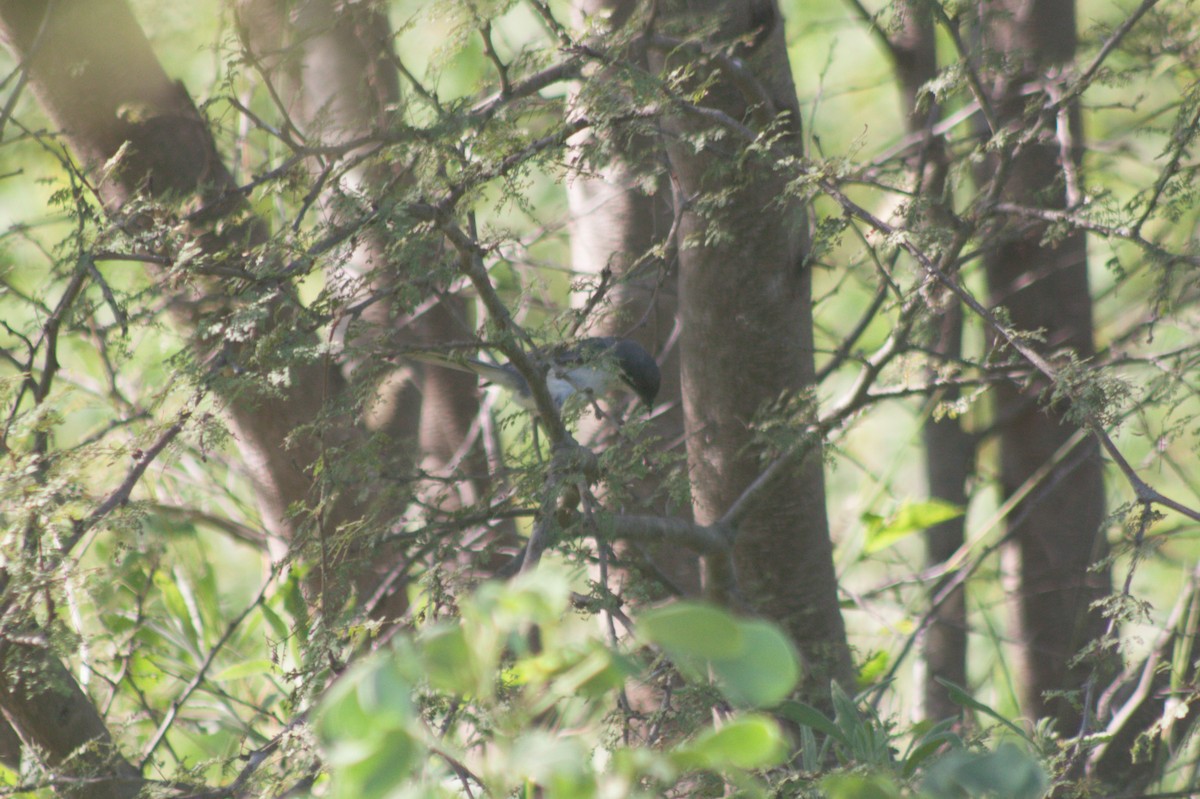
763,672
751,661
746,742
448,659
911,518
692,630
1007,773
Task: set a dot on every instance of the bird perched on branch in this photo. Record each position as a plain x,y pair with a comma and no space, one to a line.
592,366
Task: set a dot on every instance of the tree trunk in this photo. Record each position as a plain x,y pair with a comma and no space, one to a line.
1044,287
747,339
346,89
137,133
619,213
336,65
109,95
949,450
52,716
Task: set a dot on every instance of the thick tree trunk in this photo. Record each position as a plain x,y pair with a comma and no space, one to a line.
137,133
1044,287
747,339
97,78
52,715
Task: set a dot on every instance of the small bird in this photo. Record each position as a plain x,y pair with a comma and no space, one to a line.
593,366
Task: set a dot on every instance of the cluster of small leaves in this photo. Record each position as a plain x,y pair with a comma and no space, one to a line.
1094,398
785,426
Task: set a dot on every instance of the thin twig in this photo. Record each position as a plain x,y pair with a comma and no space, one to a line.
120,495
202,671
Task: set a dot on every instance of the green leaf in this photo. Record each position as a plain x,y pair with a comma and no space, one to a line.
931,738
873,668
809,716
763,672
340,716
1007,773
557,762
868,739
752,662
691,630
537,597
294,602
247,668
747,742
911,518
275,622
177,606
448,661
364,720
959,696
374,768
592,675
859,786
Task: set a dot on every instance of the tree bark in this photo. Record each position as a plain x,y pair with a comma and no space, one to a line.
1044,287
136,131
137,134
949,449
346,88
334,62
747,338
50,713
620,211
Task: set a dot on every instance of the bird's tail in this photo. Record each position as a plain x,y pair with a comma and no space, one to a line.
506,377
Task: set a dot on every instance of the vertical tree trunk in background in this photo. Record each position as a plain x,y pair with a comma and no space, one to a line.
949,450
336,64
98,79
747,338
137,133
349,88
1044,287
619,213
949,462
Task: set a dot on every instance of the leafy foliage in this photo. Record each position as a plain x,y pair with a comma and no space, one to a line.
512,694
356,636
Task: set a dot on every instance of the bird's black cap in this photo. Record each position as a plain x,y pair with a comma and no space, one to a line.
638,368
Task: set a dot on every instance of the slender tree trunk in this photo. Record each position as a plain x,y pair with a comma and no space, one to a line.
336,64
949,462
949,450
1044,287
747,338
620,213
348,89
